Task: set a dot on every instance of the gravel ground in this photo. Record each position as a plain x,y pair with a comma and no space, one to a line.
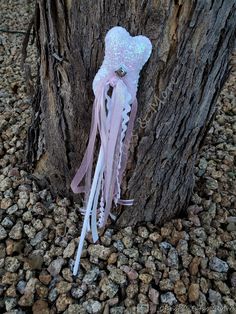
187,266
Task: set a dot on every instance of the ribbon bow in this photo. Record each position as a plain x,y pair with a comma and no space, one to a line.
113,116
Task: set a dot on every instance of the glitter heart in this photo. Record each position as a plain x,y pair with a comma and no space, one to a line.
126,52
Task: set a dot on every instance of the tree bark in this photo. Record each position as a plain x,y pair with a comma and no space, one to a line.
178,89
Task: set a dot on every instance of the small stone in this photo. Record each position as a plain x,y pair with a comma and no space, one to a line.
118,310
13,209
166,231
69,250
128,242
142,308
222,287
75,309
7,223
77,293
214,296
26,300
145,278
168,298
6,203
193,267
62,302
27,216
22,203
179,288
218,265
29,231
91,276
173,259
52,295
143,232
21,286
109,287
132,253
40,306
119,245
5,184
112,258
196,250
155,237
166,284
233,279
3,233
10,303
14,172
9,278
211,184
55,267
165,245
38,225
39,209
16,231
11,291
153,295
39,237
99,251
182,309
131,273
12,264
63,287
92,306
193,292
67,274
118,276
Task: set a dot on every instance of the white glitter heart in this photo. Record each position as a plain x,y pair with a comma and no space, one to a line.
123,50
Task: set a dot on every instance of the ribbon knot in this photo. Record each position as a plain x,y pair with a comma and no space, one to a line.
114,80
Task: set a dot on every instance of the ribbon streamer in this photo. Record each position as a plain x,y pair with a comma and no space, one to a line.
113,117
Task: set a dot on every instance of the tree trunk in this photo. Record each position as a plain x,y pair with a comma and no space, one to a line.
178,89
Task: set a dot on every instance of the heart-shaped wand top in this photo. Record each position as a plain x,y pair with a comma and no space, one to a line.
125,56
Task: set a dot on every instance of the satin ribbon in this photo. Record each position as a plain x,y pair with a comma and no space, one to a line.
110,117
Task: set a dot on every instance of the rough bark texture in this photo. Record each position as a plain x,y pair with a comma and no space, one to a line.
179,86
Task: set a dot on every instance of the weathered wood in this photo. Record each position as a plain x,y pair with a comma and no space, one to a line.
192,41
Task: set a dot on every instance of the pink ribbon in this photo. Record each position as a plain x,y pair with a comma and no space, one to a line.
109,176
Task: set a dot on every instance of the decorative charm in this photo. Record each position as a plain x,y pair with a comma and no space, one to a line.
114,118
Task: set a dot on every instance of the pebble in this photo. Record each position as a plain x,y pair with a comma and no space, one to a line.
193,292
40,306
39,237
153,295
92,306
69,250
91,276
16,231
143,232
214,296
63,287
168,298
142,308
118,276
62,302
218,265
109,288
5,183
7,223
3,233
55,267
12,264
99,251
